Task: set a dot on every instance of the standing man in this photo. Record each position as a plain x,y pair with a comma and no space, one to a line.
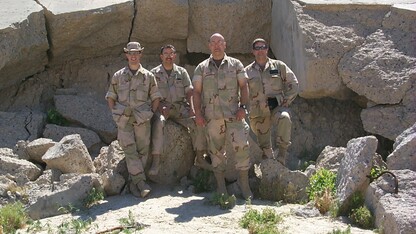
176,89
133,97
220,99
273,87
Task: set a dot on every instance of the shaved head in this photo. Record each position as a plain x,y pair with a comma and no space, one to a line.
216,36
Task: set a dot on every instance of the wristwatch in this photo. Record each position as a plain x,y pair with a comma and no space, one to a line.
244,107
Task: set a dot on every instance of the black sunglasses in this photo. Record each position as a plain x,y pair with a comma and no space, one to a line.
262,47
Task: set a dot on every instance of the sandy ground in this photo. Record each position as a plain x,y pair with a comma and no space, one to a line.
171,210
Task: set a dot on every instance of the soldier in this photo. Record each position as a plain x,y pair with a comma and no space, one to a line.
133,97
176,89
220,99
273,87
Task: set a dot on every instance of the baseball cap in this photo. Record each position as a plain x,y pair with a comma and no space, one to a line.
258,40
133,46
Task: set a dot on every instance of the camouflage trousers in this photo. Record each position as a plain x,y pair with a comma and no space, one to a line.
237,132
198,136
262,127
134,139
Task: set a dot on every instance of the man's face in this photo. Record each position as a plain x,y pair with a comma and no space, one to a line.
134,57
168,56
260,50
217,46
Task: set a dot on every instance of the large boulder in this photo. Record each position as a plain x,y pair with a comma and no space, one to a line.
278,183
17,126
71,190
404,151
177,157
21,170
87,112
354,169
112,167
56,133
69,156
23,43
394,213
80,29
240,22
34,150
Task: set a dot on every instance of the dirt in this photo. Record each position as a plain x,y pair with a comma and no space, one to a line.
172,210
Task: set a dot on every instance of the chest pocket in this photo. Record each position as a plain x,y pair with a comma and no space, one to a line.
123,91
163,86
179,88
276,82
142,90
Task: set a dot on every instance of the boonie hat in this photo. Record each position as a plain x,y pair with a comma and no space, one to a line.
133,46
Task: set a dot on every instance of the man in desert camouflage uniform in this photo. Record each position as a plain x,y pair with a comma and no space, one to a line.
220,99
133,96
176,89
273,87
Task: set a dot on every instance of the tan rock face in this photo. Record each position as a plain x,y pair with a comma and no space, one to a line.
240,22
23,41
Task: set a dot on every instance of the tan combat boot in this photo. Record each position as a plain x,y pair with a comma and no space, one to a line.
141,189
219,176
244,185
154,169
144,188
201,162
281,157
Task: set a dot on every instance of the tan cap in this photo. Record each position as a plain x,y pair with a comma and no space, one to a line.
133,46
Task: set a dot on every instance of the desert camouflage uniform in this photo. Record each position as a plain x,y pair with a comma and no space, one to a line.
220,102
275,81
132,112
173,89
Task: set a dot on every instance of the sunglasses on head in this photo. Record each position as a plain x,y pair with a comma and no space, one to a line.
134,52
261,47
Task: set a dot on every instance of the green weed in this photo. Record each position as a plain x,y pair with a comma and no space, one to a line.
223,200
322,189
202,181
76,226
54,117
362,217
129,224
12,217
93,197
261,223
376,171
338,231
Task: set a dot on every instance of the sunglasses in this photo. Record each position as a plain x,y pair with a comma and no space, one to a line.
134,52
262,47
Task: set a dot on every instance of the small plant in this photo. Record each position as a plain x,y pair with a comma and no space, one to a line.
54,117
130,223
264,222
223,200
362,217
322,189
74,226
34,227
12,217
68,209
376,171
201,181
338,231
93,197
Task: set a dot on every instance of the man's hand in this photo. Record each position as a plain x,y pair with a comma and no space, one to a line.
200,120
241,114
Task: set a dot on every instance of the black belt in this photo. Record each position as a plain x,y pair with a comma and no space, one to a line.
272,103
